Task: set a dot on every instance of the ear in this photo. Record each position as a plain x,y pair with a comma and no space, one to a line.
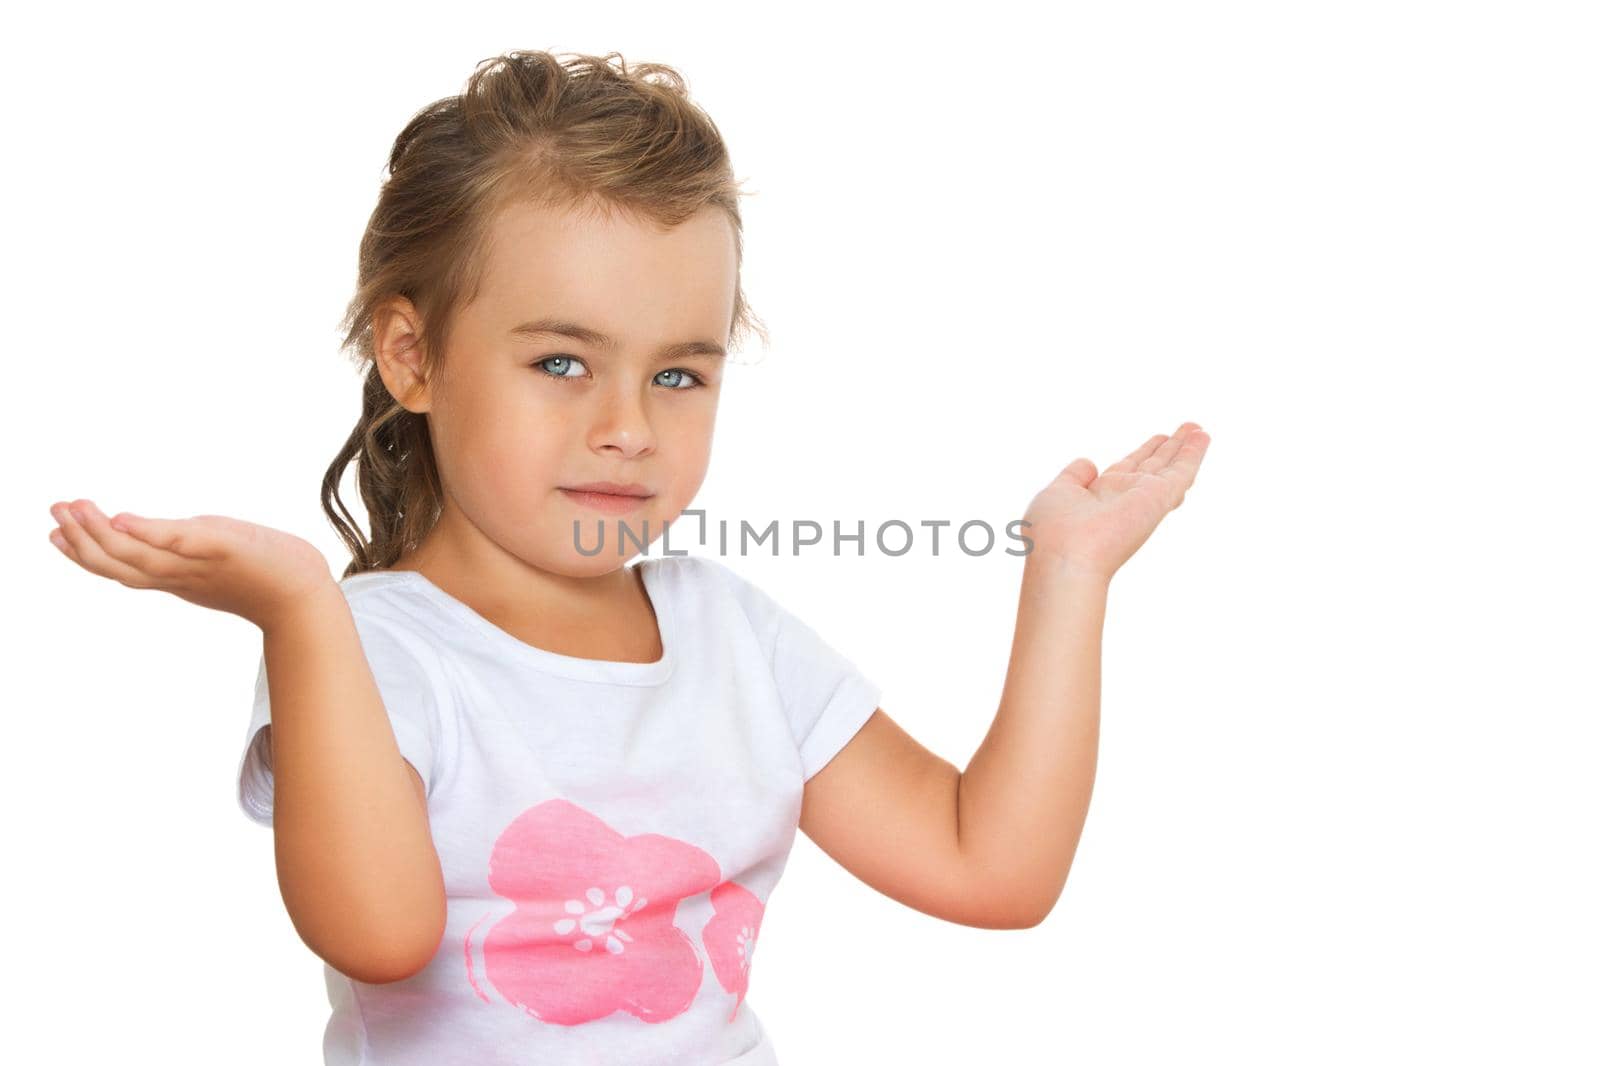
396,347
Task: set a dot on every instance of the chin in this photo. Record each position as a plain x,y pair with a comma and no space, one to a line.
567,560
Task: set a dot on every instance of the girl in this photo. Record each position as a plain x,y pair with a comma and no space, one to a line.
529,801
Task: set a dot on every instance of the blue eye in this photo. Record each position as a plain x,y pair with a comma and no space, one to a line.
684,375
694,381
558,359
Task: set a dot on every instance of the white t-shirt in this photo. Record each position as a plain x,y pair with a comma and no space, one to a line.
609,832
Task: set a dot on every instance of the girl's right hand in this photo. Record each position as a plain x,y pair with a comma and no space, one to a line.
255,572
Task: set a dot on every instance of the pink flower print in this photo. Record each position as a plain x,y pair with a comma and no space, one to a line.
592,931
730,937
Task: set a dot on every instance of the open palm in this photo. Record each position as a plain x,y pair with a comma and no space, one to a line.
227,564
1093,522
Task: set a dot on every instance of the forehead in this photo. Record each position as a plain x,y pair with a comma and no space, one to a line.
624,276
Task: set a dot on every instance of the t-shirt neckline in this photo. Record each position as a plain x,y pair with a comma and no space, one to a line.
516,650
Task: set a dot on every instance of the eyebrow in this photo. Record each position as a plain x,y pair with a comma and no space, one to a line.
583,334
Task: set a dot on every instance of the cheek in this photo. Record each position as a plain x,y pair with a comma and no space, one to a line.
689,444
697,431
517,456
499,449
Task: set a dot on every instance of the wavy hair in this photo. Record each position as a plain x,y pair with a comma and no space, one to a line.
568,131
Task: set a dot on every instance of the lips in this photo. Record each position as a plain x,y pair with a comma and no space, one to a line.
609,497
612,488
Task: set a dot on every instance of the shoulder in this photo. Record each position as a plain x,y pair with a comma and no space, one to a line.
711,581
396,618
720,600
378,590
392,598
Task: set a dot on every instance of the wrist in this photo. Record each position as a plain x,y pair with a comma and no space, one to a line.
1059,570
302,609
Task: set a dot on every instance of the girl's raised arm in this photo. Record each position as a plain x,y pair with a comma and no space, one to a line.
356,863
991,846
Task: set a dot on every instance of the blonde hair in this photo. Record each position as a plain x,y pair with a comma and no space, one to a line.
530,127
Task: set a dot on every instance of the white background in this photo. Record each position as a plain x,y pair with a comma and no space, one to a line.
1345,805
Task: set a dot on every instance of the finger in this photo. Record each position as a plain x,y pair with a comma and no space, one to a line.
1131,461
1081,471
119,545
1162,456
84,548
1194,449
59,539
75,519
1181,471
183,538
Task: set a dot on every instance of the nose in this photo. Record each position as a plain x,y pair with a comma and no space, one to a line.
622,425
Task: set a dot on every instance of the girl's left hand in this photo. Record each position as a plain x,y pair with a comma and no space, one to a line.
1093,523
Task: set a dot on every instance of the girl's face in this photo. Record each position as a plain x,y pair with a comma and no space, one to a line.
527,403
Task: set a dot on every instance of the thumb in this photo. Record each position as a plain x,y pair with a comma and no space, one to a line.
1080,470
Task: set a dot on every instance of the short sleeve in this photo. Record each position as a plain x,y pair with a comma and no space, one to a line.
409,680
826,697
